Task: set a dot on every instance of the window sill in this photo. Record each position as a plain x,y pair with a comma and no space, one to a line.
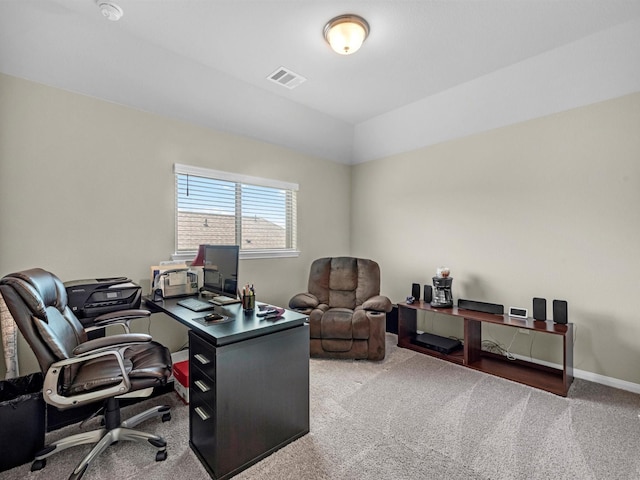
249,254
244,254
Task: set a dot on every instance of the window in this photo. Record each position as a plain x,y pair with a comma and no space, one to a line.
223,208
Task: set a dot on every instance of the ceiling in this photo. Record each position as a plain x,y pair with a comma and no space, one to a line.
207,61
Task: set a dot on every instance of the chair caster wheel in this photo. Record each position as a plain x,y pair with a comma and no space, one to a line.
166,417
161,456
38,465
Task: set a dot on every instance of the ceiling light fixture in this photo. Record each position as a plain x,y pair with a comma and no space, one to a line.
346,33
110,11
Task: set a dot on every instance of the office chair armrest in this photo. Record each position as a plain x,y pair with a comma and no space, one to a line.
52,380
98,344
121,317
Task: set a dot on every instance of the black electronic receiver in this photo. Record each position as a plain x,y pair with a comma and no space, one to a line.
436,342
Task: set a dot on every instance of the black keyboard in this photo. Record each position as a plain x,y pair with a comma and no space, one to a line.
195,304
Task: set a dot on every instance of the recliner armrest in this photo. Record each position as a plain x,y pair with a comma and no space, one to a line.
379,303
303,301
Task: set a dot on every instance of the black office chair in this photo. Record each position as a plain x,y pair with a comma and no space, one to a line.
80,371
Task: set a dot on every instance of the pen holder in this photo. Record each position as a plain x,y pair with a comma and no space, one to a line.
248,302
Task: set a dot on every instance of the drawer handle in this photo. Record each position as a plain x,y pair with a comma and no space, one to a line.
202,359
202,414
202,386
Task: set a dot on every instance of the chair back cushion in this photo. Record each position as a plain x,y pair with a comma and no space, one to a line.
37,300
344,282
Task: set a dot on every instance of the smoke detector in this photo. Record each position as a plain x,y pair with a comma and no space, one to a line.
110,11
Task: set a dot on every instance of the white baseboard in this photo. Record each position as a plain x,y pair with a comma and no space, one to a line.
583,374
590,376
609,381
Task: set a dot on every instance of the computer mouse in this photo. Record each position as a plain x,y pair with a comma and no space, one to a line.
212,317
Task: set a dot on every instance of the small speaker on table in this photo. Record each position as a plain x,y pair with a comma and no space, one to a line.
415,291
540,309
560,311
428,293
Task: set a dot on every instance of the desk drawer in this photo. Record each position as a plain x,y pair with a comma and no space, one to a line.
203,385
202,354
202,429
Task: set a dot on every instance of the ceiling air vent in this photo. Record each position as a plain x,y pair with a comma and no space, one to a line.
286,78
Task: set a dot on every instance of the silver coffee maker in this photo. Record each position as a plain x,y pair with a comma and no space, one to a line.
442,296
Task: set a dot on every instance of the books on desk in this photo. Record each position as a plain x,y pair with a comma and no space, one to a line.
195,304
222,300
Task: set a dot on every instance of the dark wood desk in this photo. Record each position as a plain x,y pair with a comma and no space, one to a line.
249,392
546,378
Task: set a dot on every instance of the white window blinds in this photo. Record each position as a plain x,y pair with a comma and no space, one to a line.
215,207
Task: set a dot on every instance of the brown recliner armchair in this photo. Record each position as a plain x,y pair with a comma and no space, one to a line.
79,371
347,314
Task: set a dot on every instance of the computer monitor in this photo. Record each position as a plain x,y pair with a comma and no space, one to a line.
221,269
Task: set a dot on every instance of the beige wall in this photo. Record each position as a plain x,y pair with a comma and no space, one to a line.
546,208
87,190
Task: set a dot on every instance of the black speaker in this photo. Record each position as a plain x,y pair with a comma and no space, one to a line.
560,311
428,293
485,307
415,291
540,309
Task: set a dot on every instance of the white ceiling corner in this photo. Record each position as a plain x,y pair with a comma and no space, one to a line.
429,71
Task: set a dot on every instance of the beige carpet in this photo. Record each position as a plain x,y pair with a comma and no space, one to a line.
410,417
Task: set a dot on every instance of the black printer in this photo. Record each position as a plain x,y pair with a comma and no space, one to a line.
90,298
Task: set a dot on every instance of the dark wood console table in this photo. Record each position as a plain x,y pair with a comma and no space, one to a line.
551,379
